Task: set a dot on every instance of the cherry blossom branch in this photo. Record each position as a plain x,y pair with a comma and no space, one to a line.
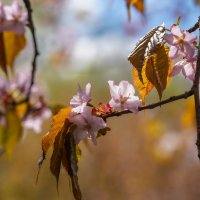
152,106
36,51
196,94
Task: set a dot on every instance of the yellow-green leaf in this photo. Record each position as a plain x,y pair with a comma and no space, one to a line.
10,46
157,69
11,133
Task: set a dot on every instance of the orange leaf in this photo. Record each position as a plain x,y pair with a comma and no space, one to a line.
56,126
138,4
145,87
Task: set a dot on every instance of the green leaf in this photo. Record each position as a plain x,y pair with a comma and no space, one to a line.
178,21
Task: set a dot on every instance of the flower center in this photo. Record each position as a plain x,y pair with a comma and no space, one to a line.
123,99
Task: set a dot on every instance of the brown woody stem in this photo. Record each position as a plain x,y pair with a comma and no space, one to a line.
35,46
194,28
196,95
152,106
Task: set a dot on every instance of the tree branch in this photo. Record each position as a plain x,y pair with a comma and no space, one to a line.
194,28
35,46
196,94
152,106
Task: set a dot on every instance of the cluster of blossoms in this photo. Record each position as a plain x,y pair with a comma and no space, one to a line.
13,91
13,18
89,120
182,50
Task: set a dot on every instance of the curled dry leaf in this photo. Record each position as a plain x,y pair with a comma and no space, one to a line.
48,139
145,47
158,67
65,150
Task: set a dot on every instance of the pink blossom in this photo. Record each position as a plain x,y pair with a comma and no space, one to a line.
123,97
181,41
16,90
187,66
16,18
35,121
39,112
79,101
87,125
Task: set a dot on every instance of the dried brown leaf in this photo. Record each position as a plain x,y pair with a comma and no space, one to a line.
158,66
145,47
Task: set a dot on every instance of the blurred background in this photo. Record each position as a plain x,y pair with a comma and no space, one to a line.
151,155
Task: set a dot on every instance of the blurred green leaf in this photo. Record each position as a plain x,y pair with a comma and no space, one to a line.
11,133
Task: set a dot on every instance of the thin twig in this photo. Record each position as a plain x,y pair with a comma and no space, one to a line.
152,106
196,95
35,46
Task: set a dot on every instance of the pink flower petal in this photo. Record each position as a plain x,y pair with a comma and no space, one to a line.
125,89
188,71
189,37
173,52
113,90
133,104
79,135
170,39
87,125
176,70
189,50
175,30
88,89
16,9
